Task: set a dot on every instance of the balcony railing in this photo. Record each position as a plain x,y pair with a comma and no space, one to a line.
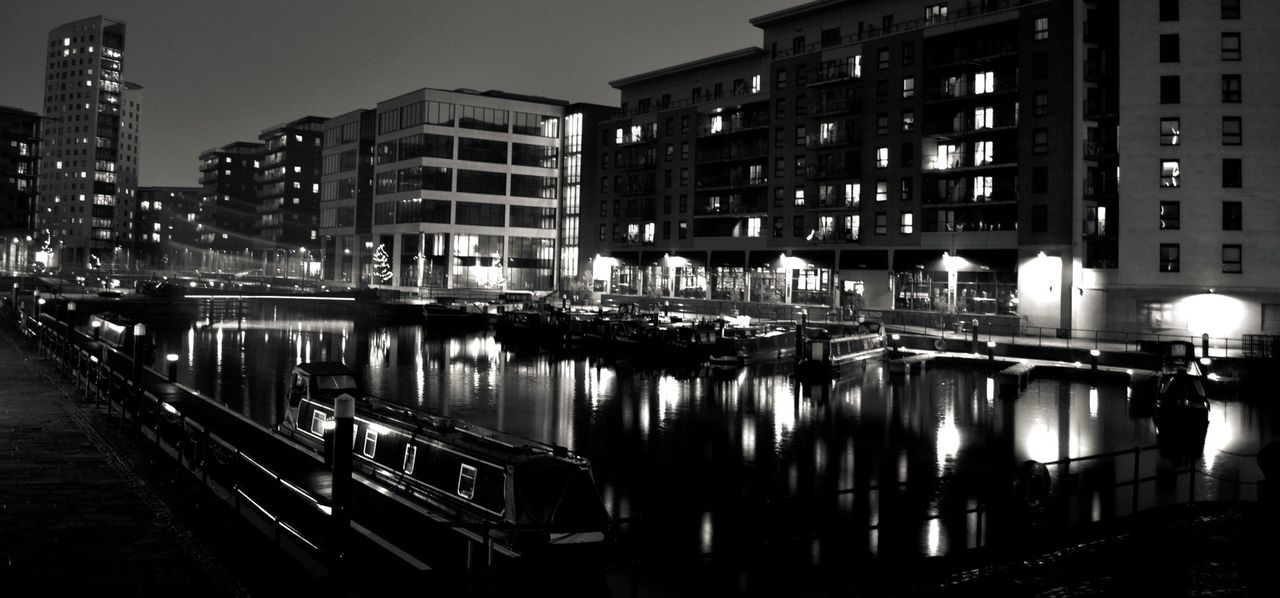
712,182
733,125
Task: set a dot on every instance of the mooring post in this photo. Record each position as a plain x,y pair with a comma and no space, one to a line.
344,413
66,337
139,342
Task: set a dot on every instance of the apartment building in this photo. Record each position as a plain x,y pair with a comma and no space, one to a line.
905,155
19,176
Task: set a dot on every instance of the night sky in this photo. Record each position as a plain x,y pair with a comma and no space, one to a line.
219,71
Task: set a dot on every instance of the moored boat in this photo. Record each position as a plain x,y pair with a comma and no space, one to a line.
834,352
532,495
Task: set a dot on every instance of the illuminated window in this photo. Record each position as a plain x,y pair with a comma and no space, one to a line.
753,227
755,84
984,117
949,156
882,157
907,224
1042,28
882,190
1170,257
908,121
1231,259
984,82
908,87
466,481
799,195
935,13
317,418
981,188
1170,174
983,152
1040,141
1170,131
1170,215
410,458
717,123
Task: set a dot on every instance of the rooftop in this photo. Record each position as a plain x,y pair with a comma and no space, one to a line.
752,52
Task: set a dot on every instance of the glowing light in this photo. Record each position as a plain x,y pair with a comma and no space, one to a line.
1217,436
948,441
1041,443
1212,314
706,532
170,408
1205,361
1093,402
933,537
1095,352
172,357
329,424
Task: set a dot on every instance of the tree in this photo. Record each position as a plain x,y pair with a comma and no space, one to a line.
382,264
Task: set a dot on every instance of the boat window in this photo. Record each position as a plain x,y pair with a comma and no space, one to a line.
335,382
410,458
467,481
299,390
317,423
370,443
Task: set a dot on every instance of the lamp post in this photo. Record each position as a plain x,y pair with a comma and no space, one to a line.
66,332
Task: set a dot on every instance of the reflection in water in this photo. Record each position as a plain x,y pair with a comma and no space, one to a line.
749,465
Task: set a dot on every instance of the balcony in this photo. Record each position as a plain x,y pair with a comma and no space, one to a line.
829,171
734,151
636,188
733,180
733,124
964,89
835,106
730,207
834,236
835,139
639,162
1098,186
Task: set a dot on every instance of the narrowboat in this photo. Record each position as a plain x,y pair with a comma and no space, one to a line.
834,352
750,346
1180,386
532,494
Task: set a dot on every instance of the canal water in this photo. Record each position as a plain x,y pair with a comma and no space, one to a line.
748,476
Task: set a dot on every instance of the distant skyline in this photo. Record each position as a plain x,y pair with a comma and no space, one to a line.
217,72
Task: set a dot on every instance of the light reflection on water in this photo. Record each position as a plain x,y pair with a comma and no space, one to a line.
724,463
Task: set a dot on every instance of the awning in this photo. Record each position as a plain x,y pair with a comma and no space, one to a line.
996,260
651,258
626,258
817,258
695,257
906,260
766,258
727,259
864,259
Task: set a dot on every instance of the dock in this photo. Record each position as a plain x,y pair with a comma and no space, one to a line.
281,489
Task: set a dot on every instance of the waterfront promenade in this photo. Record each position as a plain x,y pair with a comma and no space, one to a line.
86,510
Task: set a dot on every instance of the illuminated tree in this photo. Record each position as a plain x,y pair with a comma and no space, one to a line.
382,264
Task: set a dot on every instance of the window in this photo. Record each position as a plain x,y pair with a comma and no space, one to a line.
684,177
780,111
882,91
1232,215
370,443
1040,104
907,224
800,135
1231,89
1039,65
908,53
684,229
318,420
907,154
882,157
830,37
466,481
984,82
666,230
882,223
778,195
780,167
797,44
908,121
908,87
1169,10
906,191
1169,47
799,195
1170,89
1231,46
882,58
1169,258
1170,131
410,458
684,150
1040,141
882,190
1232,130
1170,215
1230,9
882,124
777,226
1169,173
684,203
1231,259
1042,28
935,13
780,138
753,227
1232,173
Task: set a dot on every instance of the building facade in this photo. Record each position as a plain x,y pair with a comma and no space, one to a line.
89,165
19,177
346,197
886,155
228,205
1198,237
167,227
288,184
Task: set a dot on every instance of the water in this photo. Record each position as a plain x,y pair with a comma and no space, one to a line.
752,475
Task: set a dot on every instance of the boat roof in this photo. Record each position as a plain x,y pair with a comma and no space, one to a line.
324,368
